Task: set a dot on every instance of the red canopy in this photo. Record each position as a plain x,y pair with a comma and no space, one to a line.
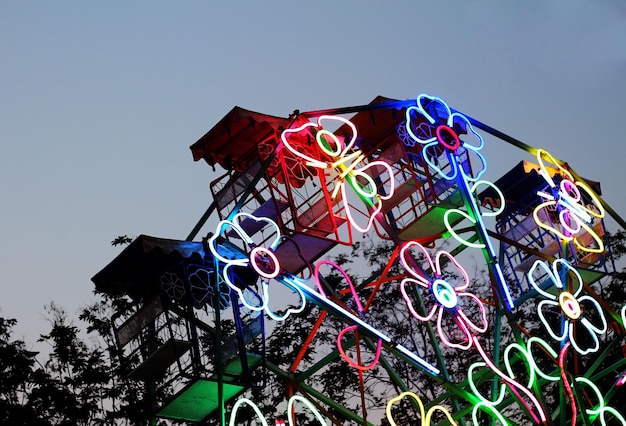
232,143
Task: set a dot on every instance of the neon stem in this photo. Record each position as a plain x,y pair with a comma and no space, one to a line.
568,388
513,385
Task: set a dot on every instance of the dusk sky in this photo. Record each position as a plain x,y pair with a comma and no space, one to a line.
100,101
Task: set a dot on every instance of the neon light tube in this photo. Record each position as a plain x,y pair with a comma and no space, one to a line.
425,416
290,411
541,417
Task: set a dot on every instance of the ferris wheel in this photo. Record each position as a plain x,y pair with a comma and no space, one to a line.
353,233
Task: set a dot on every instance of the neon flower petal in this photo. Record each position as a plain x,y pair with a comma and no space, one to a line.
555,331
590,327
445,334
293,283
470,217
431,312
291,411
602,409
255,408
483,314
425,417
438,271
438,113
405,255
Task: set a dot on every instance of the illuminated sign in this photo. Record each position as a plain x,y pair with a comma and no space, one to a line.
444,295
447,143
569,209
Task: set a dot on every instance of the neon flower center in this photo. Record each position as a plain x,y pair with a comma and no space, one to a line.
448,137
569,305
444,294
264,262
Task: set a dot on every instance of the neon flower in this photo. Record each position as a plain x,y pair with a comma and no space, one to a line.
568,302
424,416
261,259
446,142
352,328
290,411
576,218
447,299
446,302
345,163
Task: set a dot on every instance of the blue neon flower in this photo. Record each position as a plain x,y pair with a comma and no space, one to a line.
442,145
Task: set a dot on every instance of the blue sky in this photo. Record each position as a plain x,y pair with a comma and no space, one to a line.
99,102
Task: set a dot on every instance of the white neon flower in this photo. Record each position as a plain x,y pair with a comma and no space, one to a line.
261,259
568,303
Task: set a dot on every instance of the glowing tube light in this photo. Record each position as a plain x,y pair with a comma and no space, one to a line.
290,411
602,409
332,306
425,416
446,296
360,309
515,386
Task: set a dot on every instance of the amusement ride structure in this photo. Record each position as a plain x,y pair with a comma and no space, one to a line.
528,338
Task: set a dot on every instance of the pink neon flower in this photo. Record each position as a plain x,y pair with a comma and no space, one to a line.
560,303
443,298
